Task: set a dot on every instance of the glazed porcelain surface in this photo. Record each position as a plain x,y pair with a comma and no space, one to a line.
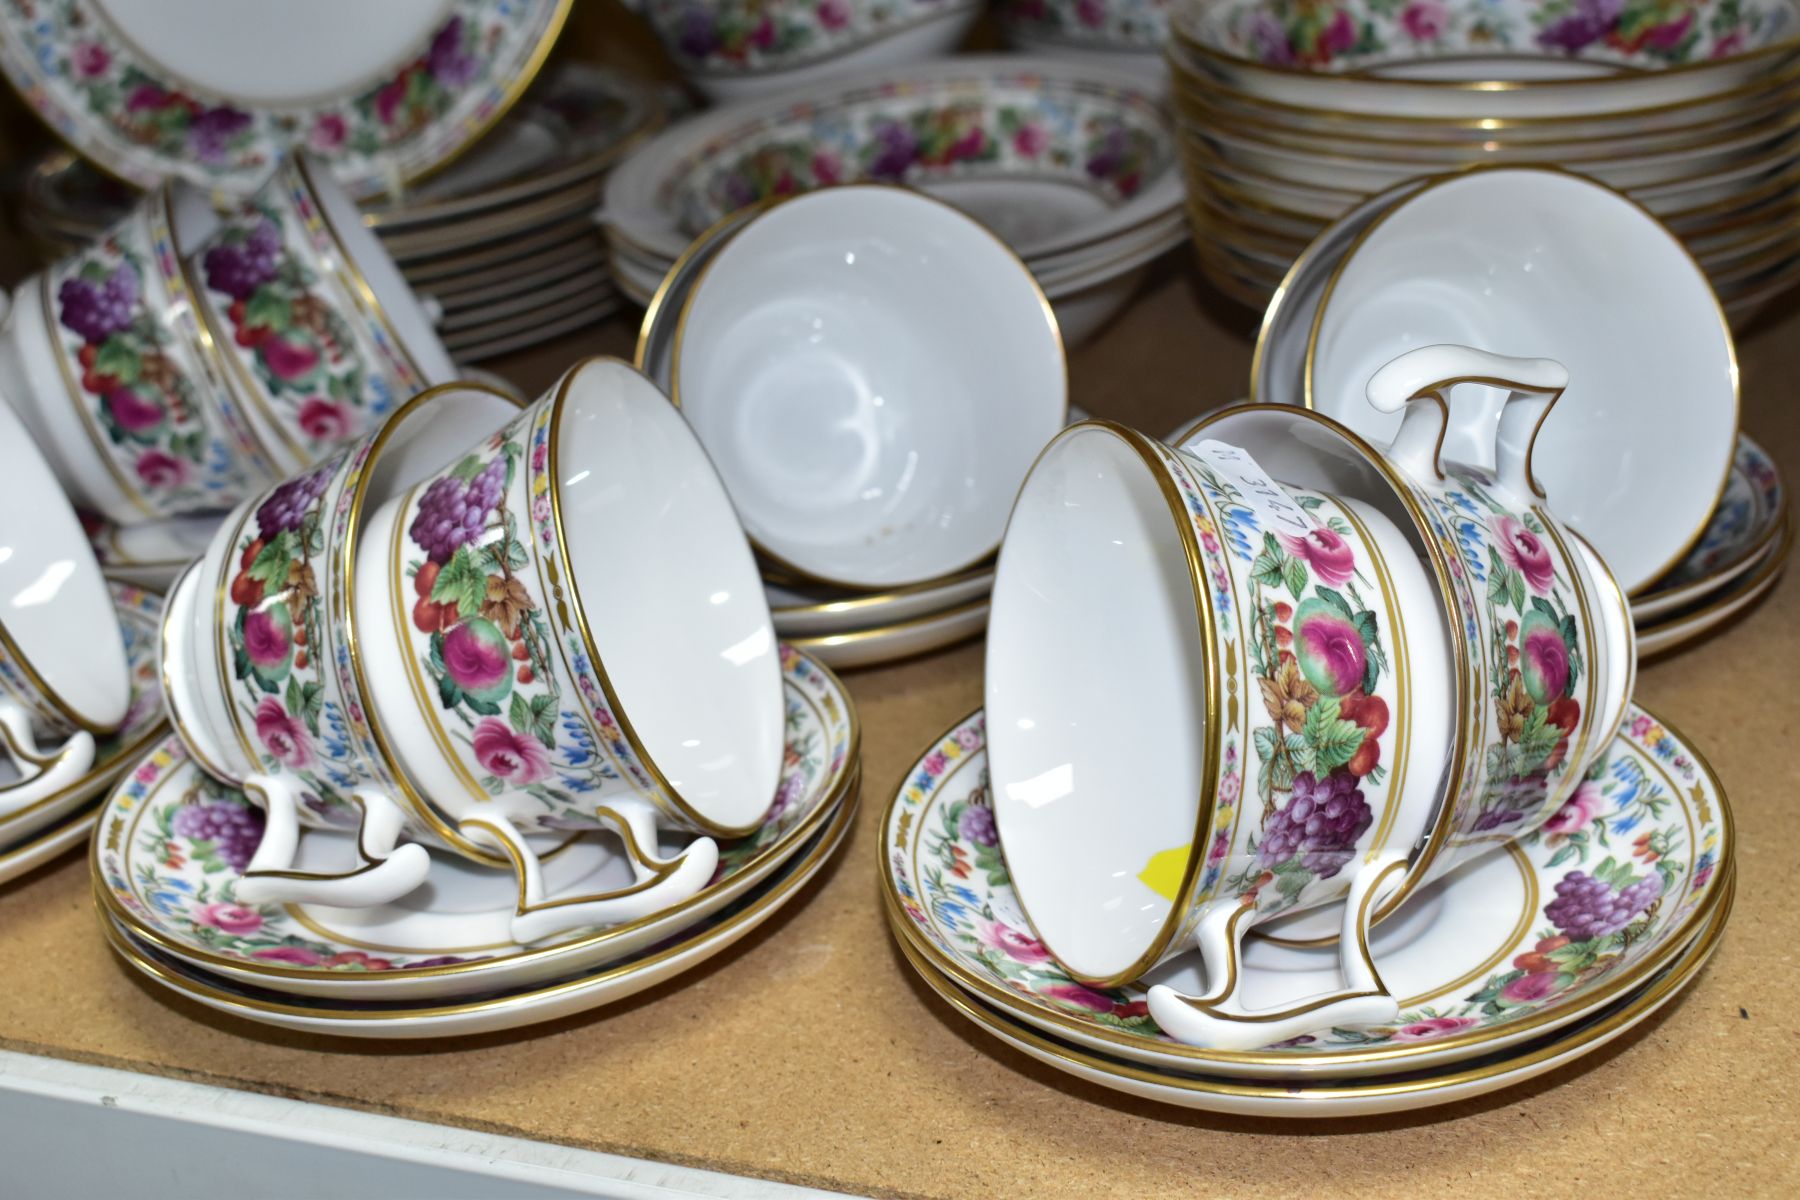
1264,635
137,613
1746,521
1052,155
216,92
1517,943
726,38
872,372
1712,612
508,1009
175,843
152,553
1554,251
901,640
817,611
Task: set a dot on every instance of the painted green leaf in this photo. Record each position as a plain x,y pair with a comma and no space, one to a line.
270,309
1294,572
270,567
1337,601
116,358
461,582
468,468
1516,586
1334,740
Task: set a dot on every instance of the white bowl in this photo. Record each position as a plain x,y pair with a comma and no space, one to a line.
872,372
1540,262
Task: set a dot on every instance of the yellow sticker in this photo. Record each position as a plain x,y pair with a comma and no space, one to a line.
1163,873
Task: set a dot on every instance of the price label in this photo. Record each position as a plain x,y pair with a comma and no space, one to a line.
1275,510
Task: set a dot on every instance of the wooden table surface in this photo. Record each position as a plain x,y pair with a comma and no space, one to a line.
809,1053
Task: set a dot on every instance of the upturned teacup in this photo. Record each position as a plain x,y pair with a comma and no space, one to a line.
1213,700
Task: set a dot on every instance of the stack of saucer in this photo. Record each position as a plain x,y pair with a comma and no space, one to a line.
1074,165
499,239
1294,112
1497,982
871,424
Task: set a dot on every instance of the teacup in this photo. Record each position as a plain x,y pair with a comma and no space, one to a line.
321,335
1212,699
872,371
108,365
63,669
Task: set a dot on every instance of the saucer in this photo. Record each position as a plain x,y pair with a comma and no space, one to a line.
1716,609
903,639
504,1010
1743,526
139,613
813,611
1468,966
39,848
171,887
150,554
1331,1097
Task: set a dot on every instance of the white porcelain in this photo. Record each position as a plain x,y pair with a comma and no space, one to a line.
1120,822
152,553
816,611
1570,271
900,640
64,678
1099,157
489,1013
562,319
872,372
45,845
1672,632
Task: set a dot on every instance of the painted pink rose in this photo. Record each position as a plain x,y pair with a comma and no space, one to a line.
1030,139
763,36
231,918
1578,810
1669,35
476,662
155,469
146,97
282,734
1331,558
1433,1027
388,99
328,132
289,361
267,640
1221,844
1020,947
1339,36
1525,552
133,412
1425,20
1531,987
325,420
298,956
1728,45
541,510
1080,997
834,14
90,60
1091,13
827,168
516,758
540,454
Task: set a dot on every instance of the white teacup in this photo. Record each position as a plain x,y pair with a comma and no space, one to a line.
872,372
1212,700
62,658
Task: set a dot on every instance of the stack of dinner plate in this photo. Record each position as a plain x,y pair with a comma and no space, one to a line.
1293,112
1072,163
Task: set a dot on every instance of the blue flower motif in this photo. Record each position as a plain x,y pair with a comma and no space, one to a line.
966,895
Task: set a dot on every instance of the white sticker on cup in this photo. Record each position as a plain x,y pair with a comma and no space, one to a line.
1275,510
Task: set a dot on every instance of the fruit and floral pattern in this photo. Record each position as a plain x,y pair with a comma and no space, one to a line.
122,109
1321,684
287,710
1531,639
1345,35
1624,872
143,394
309,370
1112,143
1745,519
175,841
1114,24
728,37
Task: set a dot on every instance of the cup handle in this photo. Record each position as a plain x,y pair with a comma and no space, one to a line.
388,871
40,775
1218,1020
657,882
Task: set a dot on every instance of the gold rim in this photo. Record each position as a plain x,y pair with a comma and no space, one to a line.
1743,591
67,834
1206,619
1188,42
710,240
1734,565
856,604
800,873
416,802
97,778
1687,964
1049,314
1199,103
552,208
1438,181
1621,605
1462,653
1225,1059
847,780
856,637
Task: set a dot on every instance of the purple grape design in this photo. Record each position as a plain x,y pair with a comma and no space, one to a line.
98,309
1319,824
287,505
234,829
238,267
1587,907
454,514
